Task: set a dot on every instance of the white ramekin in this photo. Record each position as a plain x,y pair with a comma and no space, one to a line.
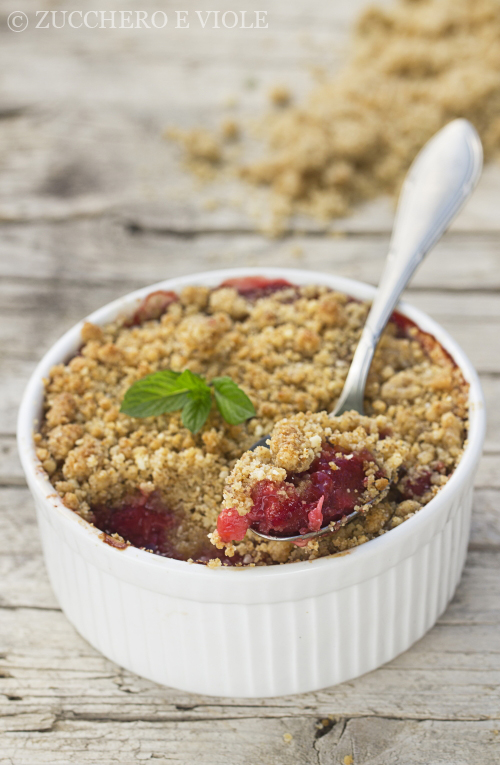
254,631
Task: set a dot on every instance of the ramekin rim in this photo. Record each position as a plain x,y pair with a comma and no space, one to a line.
33,470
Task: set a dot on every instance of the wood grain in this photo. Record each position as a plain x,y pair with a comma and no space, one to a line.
94,202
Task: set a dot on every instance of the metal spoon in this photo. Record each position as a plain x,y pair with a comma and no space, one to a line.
438,183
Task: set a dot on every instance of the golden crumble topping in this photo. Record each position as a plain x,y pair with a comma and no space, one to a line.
289,349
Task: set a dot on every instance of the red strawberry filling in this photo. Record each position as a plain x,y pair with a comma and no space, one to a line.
329,490
142,519
146,522
417,486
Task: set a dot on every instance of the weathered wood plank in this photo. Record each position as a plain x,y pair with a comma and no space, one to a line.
25,581
274,742
14,375
66,300
388,742
242,741
85,142
11,473
19,533
491,389
93,252
485,529
488,474
34,314
22,336
187,211
16,372
208,44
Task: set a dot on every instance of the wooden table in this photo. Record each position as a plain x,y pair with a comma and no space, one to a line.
94,203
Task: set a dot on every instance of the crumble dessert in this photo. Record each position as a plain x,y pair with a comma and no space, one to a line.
318,469
154,484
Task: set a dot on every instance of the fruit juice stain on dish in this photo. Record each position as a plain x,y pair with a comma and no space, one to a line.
255,287
330,489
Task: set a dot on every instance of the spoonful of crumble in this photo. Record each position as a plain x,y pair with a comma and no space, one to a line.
317,472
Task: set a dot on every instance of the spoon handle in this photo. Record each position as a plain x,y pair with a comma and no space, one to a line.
438,183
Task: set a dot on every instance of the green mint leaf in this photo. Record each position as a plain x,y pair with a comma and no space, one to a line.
233,404
197,409
192,381
156,394
168,391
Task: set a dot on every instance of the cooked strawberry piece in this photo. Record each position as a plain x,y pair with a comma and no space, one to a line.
232,526
153,306
315,516
277,508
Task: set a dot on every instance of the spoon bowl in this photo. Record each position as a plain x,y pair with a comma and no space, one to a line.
302,539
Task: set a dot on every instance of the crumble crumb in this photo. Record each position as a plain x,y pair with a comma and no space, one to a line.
230,130
297,440
214,563
280,95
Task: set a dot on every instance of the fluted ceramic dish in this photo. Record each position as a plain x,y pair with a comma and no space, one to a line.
264,631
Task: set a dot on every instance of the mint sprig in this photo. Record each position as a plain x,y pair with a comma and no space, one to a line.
168,391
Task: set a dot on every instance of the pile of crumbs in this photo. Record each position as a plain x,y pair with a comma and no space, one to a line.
413,67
